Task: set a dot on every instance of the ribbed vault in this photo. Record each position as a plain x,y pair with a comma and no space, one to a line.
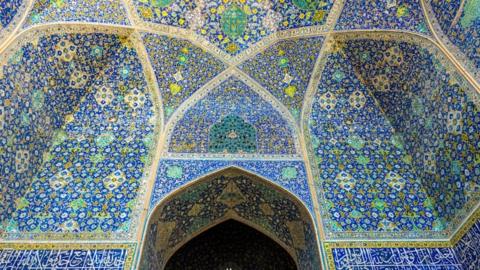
369,112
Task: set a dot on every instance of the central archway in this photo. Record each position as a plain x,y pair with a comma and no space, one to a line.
231,194
231,245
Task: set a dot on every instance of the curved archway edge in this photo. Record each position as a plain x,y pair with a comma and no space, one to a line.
227,171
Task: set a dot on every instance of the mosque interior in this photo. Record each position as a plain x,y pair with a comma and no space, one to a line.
240,134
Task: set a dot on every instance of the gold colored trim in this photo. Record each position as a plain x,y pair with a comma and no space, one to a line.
306,110
149,177
7,33
464,66
312,86
465,227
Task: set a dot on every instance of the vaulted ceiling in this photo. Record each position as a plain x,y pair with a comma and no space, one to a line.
368,111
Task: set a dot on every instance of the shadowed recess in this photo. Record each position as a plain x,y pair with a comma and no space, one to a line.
231,245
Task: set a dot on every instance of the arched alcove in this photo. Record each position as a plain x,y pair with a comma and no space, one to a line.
231,194
231,245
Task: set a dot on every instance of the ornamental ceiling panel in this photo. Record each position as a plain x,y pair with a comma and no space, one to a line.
438,119
235,25
230,195
431,131
364,178
181,68
173,173
284,69
391,120
233,119
92,11
384,14
51,72
78,132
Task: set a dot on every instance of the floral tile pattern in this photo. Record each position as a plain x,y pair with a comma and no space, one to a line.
192,132
101,11
285,69
365,177
87,141
437,120
32,108
180,67
8,10
460,22
173,173
385,14
232,25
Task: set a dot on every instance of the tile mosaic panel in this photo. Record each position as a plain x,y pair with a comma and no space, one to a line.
233,195
99,11
149,259
42,83
92,165
233,99
174,173
468,248
395,258
460,22
285,69
82,259
364,176
436,119
384,14
231,25
8,10
180,67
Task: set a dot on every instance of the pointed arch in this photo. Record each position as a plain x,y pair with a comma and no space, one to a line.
212,104
234,181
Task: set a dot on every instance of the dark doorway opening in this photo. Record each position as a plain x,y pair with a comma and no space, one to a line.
231,245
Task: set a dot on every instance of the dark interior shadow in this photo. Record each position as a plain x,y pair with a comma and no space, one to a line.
231,245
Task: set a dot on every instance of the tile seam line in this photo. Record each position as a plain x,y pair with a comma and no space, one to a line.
142,223
444,49
234,60
12,35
